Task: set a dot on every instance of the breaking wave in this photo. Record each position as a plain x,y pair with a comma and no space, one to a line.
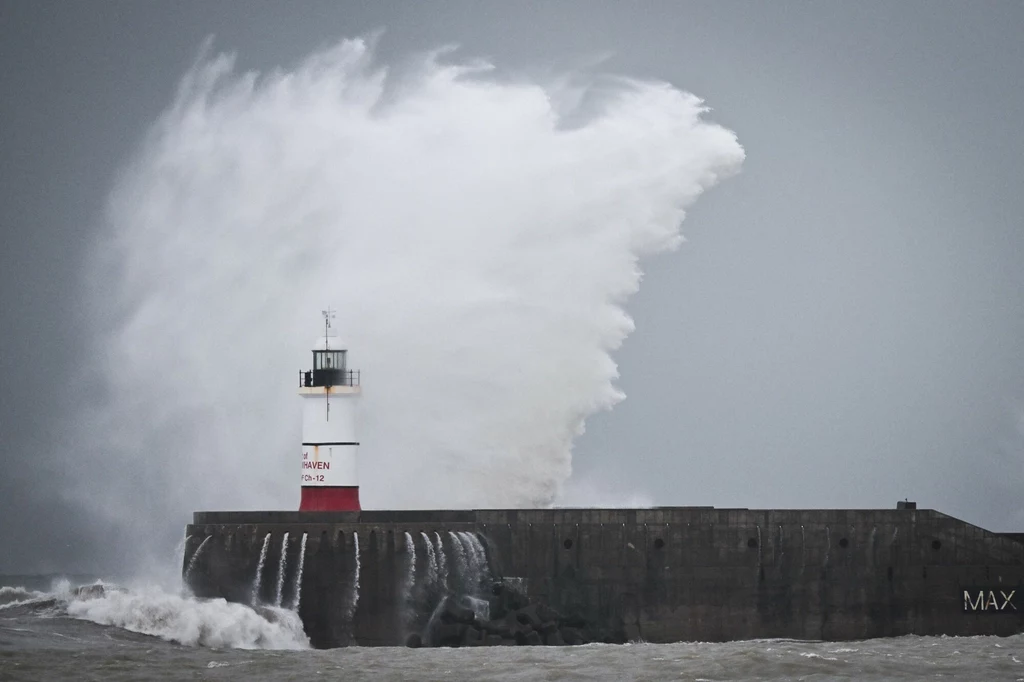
478,236
16,596
180,618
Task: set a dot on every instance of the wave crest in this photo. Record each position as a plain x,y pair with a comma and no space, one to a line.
180,618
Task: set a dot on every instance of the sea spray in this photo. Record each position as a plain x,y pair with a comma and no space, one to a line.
442,563
297,591
195,558
178,556
481,553
410,576
173,571
472,562
257,581
463,581
476,562
435,614
353,598
190,621
481,607
282,564
433,573
409,610
529,216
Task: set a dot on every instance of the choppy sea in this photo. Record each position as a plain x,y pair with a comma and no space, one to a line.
60,632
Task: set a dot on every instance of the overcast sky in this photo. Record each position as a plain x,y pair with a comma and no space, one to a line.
843,326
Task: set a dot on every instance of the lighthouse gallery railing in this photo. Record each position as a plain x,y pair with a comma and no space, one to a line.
328,377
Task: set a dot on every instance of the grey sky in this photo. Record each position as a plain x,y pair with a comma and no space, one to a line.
843,326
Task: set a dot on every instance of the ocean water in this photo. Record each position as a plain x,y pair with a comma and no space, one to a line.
61,631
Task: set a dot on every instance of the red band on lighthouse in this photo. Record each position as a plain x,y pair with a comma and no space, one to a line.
330,499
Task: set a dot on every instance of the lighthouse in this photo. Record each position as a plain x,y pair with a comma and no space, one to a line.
330,391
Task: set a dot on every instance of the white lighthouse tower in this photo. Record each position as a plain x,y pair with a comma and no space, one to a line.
330,391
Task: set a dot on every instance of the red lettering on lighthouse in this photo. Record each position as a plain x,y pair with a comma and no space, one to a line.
316,465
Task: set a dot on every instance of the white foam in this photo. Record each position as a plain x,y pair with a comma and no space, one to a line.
478,554
281,566
442,562
463,579
195,557
480,238
259,571
353,602
196,622
297,588
410,576
432,569
811,654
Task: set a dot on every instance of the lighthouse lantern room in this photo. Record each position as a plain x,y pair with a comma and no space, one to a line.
330,392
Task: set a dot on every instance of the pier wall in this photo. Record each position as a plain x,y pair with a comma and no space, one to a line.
661,575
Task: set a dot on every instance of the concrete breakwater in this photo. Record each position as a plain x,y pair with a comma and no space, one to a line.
455,577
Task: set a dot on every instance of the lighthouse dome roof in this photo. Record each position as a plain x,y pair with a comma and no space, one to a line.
331,342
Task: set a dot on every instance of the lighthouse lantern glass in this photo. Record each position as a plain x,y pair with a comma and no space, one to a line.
329,359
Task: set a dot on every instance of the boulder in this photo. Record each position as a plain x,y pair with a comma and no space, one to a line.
454,613
572,635
528,616
90,591
554,639
574,621
472,636
414,641
495,640
506,599
501,628
449,634
516,630
545,612
534,639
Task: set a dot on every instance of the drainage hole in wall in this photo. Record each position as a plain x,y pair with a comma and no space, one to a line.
844,543
752,543
567,544
936,544
659,543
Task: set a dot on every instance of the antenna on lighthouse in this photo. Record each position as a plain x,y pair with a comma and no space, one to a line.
329,315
